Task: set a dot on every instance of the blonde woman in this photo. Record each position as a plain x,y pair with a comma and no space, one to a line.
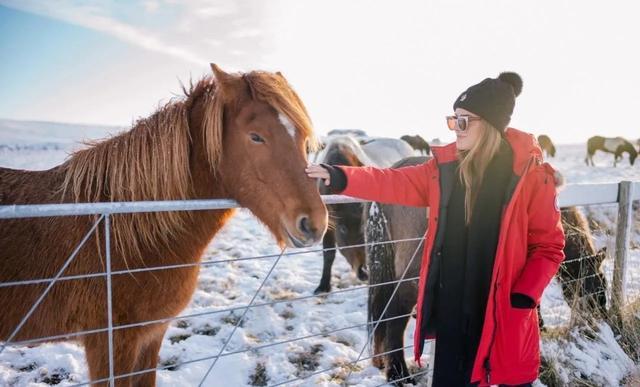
493,243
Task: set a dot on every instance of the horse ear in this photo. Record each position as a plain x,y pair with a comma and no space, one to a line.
221,76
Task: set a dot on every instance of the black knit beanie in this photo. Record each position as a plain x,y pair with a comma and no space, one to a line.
492,99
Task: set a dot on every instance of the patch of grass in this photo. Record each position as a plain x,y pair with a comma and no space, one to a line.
549,374
206,330
178,338
306,361
629,337
171,363
56,377
287,314
259,376
233,319
28,368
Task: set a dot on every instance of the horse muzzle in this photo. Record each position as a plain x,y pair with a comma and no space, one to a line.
304,233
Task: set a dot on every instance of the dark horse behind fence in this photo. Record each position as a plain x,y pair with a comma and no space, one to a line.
345,231
545,143
239,136
615,145
418,143
581,276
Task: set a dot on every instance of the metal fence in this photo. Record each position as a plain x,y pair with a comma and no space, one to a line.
621,195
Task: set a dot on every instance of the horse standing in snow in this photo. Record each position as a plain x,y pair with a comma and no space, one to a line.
615,145
239,136
547,146
346,219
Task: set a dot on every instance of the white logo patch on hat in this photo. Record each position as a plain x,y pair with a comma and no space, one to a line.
463,97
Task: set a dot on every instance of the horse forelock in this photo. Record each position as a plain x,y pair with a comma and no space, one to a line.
274,90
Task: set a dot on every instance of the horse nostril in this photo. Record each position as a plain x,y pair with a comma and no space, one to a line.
304,225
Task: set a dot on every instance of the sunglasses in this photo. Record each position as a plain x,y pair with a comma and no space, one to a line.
460,123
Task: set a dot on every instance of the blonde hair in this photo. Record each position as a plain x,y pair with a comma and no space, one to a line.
474,163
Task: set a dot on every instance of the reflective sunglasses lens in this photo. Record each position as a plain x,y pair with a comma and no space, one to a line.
451,123
462,123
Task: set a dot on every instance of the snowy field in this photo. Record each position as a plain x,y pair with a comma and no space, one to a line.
233,284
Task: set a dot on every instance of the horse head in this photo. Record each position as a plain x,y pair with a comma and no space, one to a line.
256,133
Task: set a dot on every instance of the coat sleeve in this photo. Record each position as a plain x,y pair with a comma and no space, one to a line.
545,237
407,186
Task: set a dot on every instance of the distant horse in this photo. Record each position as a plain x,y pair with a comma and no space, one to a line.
346,219
239,136
418,143
547,145
615,145
387,262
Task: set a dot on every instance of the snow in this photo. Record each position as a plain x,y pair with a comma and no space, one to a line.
233,284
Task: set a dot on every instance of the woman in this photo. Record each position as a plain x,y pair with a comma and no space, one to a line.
493,243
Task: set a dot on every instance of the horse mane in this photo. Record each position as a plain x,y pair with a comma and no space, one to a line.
151,161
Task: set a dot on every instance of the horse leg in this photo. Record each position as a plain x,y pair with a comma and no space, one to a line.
148,358
328,254
126,348
401,305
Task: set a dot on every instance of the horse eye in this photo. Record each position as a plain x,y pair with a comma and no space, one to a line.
257,139
342,229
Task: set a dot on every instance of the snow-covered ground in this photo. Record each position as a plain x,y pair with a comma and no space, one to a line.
233,284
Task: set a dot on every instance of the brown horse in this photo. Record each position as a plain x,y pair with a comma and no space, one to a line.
239,136
615,145
545,143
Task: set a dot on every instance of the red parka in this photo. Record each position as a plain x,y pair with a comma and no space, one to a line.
528,253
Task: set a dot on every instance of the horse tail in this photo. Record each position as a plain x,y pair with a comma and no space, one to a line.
380,259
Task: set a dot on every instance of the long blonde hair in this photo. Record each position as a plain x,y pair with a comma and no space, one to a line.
474,162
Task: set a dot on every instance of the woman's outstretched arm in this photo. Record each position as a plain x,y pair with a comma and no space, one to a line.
405,186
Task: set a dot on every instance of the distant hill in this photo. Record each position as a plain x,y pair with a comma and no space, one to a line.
15,133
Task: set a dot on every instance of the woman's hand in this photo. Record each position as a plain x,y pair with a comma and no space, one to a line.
317,172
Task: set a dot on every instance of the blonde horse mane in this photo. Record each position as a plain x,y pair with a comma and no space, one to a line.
151,161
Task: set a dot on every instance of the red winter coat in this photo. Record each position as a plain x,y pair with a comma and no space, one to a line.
528,253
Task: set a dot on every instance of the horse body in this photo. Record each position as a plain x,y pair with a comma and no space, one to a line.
347,218
187,150
547,145
615,145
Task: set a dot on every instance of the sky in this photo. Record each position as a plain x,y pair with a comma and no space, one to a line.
388,67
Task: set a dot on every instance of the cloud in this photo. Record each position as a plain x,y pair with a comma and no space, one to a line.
95,16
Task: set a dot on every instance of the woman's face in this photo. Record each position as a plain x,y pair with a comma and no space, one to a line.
466,139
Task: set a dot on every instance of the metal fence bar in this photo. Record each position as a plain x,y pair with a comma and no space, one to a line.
571,195
201,314
69,209
107,242
46,291
256,348
255,295
202,263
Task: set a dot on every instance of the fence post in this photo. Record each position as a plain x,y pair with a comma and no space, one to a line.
625,196
107,239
